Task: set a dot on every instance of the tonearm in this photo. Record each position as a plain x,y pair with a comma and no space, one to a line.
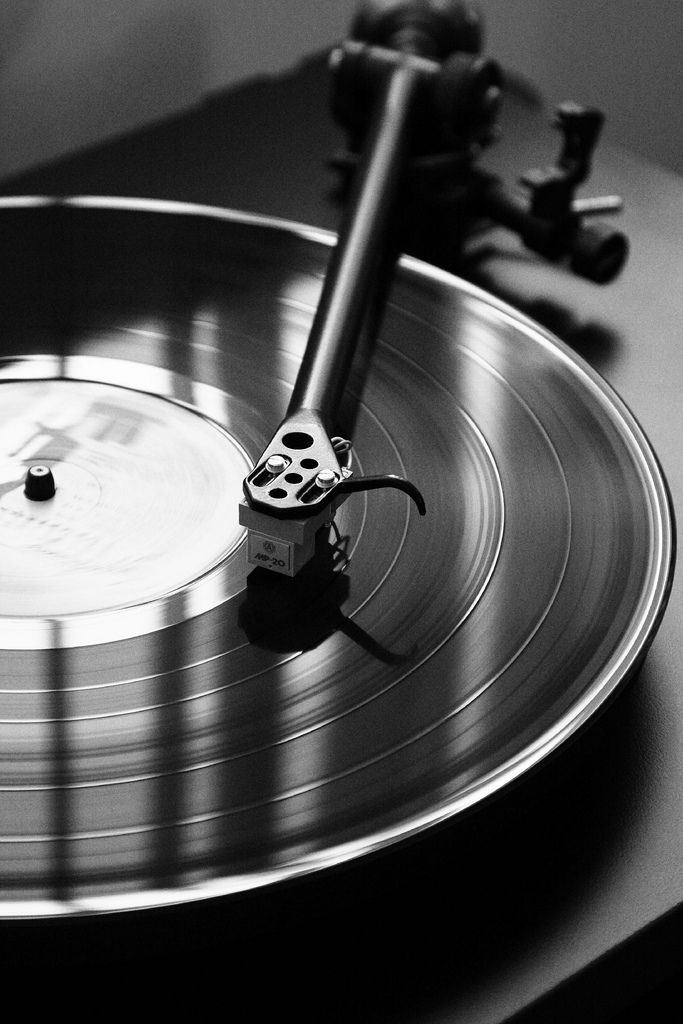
415,96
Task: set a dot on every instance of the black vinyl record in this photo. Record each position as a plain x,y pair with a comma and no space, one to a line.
176,725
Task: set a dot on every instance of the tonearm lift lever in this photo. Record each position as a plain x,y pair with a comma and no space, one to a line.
415,67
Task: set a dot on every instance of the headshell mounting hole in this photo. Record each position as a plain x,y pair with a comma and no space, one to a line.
297,440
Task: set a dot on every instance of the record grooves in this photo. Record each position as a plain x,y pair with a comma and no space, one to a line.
215,728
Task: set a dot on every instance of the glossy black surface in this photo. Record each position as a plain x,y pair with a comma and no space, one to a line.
415,668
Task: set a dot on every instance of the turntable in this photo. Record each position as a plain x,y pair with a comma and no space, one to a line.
309,602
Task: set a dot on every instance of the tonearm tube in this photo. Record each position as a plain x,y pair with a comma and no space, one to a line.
412,91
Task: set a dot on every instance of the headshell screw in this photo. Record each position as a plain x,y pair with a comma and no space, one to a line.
326,479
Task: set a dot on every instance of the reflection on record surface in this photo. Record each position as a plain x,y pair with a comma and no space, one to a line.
176,724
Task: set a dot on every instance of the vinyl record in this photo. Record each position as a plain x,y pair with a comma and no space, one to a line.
176,725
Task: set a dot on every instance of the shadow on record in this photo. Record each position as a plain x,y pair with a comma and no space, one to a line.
286,614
